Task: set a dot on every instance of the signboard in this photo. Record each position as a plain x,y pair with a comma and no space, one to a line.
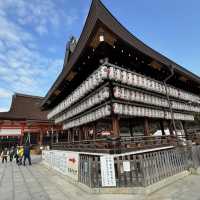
107,171
126,166
10,132
62,161
72,164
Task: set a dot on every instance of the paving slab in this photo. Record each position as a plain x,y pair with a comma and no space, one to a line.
36,182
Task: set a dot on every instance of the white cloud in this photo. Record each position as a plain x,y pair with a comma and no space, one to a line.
40,14
22,67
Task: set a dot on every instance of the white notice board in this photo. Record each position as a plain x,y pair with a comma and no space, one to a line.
107,171
126,166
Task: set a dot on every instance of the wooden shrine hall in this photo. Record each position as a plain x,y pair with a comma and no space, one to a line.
25,122
116,94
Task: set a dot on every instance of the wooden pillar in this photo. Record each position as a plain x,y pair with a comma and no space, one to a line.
162,127
146,127
85,133
170,129
72,135
66,132
41,137
94,131
183,124
115,126
80,133
131,127
56,136
22,134
68,135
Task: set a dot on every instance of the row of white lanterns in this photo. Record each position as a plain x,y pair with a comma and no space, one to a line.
93,116
133,79
93,100
123,76
129,110
131,95
184,106
95,79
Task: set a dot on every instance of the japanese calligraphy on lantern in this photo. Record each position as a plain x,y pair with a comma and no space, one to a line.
107,171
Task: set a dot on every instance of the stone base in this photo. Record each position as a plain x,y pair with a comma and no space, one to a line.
195,171
141,191
136,190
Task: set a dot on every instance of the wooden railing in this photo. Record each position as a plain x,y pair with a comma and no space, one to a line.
117,145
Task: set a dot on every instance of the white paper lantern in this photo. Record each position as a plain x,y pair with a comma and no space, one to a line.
111,73
130,79
124,77
118,75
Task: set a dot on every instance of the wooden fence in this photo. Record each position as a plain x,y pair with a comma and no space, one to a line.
145,169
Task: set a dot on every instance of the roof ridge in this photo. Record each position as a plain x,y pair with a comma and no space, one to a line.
28,95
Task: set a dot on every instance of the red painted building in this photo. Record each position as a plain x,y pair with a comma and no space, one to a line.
25,122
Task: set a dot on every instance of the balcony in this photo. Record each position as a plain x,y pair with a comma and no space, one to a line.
118,145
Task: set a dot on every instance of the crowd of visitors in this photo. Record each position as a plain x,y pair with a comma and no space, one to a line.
19,153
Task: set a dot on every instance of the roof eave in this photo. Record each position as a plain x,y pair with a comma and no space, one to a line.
99,12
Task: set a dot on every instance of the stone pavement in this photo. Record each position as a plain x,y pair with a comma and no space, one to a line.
39,183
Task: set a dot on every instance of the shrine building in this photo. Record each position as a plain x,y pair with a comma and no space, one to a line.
25,122
127,112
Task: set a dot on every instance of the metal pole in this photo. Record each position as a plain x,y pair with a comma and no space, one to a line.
168,99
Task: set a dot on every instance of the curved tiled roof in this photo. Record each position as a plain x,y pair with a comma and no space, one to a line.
98,12
25,107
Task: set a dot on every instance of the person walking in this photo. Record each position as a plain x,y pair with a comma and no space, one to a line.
16,152
11,153
4,155
20,155
27,155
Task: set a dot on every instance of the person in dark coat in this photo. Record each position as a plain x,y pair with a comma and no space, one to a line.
27,155
11,153
16,151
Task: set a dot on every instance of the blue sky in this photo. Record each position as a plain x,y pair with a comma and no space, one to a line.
33,35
